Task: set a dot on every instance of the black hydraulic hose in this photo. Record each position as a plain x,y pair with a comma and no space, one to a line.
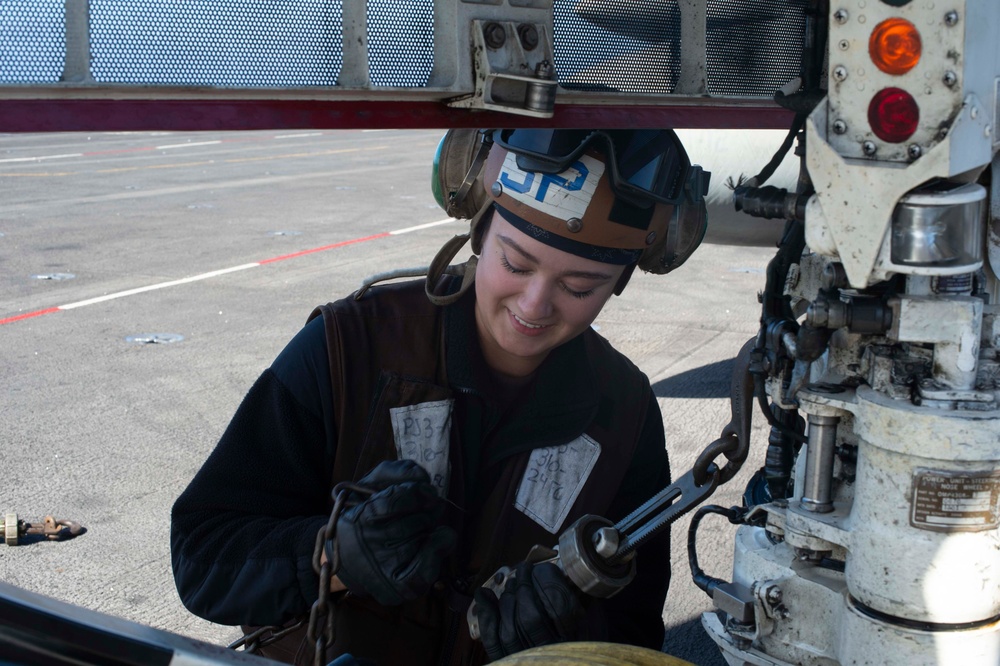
811,342
705,582
769,202
779,155
761,395
781,451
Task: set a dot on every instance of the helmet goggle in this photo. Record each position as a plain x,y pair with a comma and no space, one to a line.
644,166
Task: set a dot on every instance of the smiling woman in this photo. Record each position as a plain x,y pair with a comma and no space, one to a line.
471,425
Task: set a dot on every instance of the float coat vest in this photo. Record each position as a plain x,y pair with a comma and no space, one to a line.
408,382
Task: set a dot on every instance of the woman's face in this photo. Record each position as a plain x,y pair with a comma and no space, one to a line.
531,298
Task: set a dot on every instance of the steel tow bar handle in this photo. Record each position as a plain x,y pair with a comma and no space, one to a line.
583,550
52,529
662,509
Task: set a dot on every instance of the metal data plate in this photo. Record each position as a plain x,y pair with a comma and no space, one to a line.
955,501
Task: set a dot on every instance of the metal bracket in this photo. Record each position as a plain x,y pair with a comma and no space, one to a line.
513,69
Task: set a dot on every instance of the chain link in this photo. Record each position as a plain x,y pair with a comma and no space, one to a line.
734,441
704,466
321,611
321,637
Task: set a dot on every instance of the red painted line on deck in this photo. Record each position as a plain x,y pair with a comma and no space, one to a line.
27,315
325,247
38,313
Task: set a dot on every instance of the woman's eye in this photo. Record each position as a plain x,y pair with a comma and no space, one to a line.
506,264
521,271
578,294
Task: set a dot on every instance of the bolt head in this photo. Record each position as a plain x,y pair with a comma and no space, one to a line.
606,541
841,16
950,78
839,127
574,225
494,34
528,34
914,151
869,148
840,73
496,189
651,238
544,70
951,18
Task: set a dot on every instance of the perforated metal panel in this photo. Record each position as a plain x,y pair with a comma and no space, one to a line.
400,42
32,41
616,45
634,46
330,62
232,43
754,46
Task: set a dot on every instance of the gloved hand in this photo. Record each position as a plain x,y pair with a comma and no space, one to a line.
392,545
538,606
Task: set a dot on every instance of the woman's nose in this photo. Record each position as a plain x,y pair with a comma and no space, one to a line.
535,300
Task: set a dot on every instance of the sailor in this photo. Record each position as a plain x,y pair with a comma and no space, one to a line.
477,412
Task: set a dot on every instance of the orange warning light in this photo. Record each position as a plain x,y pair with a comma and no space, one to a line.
895,46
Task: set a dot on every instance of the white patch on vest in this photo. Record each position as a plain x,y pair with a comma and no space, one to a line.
563,195
553,480
422,434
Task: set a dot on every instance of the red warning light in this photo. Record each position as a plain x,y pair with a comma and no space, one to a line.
893,115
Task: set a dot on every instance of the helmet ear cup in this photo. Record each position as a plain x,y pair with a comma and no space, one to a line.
683,235
452,161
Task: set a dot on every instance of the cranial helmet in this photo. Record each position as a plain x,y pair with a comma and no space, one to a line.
625,197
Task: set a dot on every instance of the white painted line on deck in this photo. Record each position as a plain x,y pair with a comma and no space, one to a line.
161,285
216,273
40,158
421,226
188,145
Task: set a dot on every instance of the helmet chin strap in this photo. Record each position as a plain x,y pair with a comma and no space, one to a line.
475,168
441,264
623,280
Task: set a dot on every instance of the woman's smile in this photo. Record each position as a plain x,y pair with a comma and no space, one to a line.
527,328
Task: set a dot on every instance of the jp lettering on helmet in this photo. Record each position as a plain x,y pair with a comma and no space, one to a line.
626,197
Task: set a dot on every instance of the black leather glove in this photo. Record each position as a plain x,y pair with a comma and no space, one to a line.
392,544
538,606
